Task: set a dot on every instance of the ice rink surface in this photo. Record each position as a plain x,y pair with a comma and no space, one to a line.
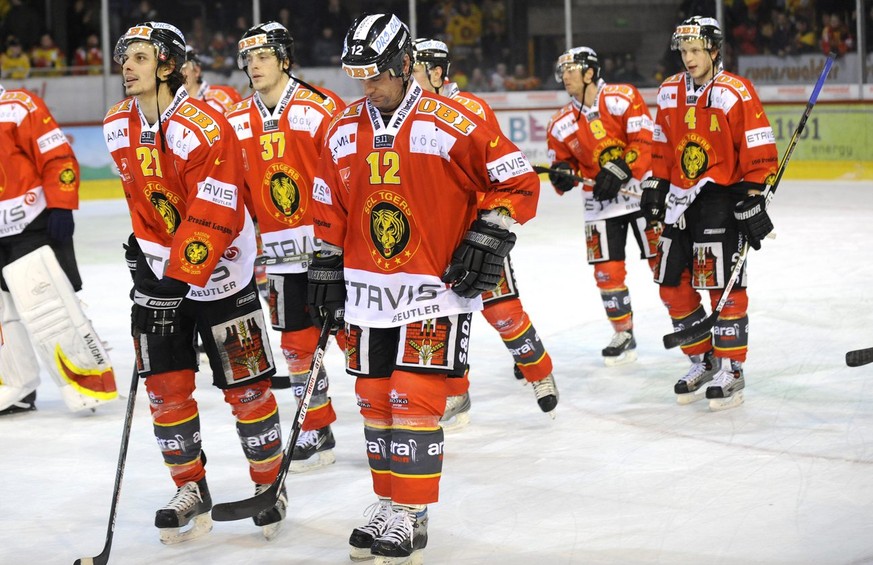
623,475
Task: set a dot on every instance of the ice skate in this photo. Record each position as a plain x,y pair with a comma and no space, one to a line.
404,538
703,368
726,389
547,394
622,349
26,404
457,414
362,537
271,519
313,450
190,506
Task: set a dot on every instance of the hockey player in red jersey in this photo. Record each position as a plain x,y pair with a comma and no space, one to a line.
605,134
219,96
39,189
281,129
408,248
502,306
713,153
192,251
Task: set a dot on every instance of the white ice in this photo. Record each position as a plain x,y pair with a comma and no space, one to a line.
623,475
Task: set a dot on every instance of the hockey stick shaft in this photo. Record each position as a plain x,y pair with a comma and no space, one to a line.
103,557
253,506
299,258
689,334
859,357
539,170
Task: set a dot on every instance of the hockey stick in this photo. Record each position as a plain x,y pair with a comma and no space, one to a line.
299,258
859,357
689,334
539,170
253,506
103,557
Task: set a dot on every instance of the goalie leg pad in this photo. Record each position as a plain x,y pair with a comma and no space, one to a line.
62,336
19,369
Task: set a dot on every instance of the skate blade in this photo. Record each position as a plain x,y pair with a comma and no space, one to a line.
456,422
319,460
690,397
360,553
719,404
626,357
200,525
270,531
415,558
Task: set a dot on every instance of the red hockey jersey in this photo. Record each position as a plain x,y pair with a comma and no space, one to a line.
616,125
38,169
398,198
280,150
186,197
714,133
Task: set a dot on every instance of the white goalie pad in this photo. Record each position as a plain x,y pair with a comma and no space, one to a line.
19,369
61,334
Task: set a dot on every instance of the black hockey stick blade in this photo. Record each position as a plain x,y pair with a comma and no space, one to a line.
250,507
103,557
859,357
278,382
691,333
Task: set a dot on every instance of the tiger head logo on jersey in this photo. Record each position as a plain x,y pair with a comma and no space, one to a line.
164,203
695,158
195,253
391,229
284,193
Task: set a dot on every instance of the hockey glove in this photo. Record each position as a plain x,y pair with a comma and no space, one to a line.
326,293
562,182
753,220
608,181
654,198
477,263
156,305
131,254
60,224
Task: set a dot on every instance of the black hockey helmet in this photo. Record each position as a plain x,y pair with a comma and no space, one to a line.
433,53
584,57
374,44
698,27
271,35
168,41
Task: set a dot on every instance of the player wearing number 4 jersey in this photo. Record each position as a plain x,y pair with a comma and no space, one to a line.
502,305
408,248
605,134
713,153
281,129
192,255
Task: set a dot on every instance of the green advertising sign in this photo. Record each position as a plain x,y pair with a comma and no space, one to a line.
833,132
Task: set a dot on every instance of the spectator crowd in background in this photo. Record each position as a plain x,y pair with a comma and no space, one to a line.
477,32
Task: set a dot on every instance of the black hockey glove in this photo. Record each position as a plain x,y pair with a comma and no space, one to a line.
131,254
753,220
59,224
478,261
326,293
608,181
156,305
562,182
654,199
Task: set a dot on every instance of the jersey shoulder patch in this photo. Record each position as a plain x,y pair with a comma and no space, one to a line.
122,107
21,97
